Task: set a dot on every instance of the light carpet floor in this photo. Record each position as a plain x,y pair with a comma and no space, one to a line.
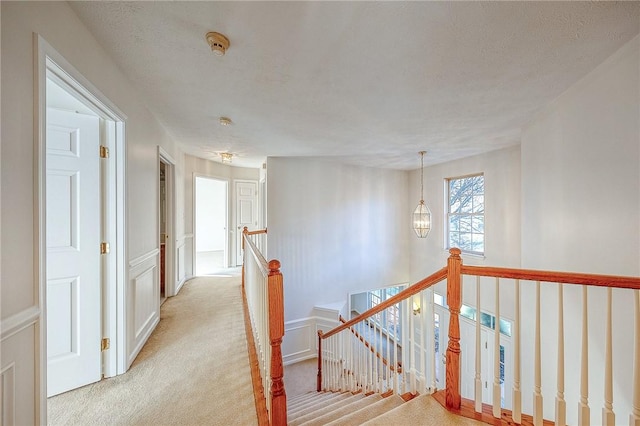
194,370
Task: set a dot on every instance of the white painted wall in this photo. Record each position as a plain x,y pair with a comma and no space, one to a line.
59,26
211,214
581,212
336,230
502,218
201,167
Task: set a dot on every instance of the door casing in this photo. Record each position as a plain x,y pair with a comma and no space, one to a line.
49,63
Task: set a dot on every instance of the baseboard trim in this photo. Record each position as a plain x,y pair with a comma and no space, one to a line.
181,283
134,354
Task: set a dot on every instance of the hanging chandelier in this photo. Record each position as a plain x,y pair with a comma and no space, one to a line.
422,214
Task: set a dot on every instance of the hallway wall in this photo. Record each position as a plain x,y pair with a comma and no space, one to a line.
199,166
581,212
20,306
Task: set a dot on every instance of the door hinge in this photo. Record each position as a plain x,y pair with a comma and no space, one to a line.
104,344
104,151
104,248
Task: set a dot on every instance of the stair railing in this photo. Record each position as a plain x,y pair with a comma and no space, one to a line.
370,352
262,286
345,363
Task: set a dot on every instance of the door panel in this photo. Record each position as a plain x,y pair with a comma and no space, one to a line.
73,251
246,212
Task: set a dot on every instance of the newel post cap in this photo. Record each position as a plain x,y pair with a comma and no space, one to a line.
455,251
274,266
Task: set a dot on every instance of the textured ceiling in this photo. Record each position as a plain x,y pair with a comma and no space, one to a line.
368,83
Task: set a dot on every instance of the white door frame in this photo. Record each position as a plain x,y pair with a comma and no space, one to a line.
48,62
170,276
193,220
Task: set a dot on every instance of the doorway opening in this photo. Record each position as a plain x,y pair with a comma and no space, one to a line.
166,225
211,237
80,213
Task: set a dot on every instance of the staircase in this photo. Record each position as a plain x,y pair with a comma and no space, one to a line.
346,408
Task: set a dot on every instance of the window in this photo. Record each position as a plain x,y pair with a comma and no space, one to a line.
465,214
388,319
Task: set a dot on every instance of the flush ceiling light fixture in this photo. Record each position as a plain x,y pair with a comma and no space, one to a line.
219,43
422,214
226,157
225,121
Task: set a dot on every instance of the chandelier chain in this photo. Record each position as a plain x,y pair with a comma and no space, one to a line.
422,175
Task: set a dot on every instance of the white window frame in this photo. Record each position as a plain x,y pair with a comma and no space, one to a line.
448,214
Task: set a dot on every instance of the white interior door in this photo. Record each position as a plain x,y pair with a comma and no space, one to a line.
246,212
73,251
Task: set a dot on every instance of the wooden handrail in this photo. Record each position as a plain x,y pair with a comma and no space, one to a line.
275,302
432,279
262,262
371,348
259,231
612,281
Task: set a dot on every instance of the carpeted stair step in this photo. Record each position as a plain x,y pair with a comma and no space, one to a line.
369,412
323,419
310,398
324,400
327,404
423,410
331,406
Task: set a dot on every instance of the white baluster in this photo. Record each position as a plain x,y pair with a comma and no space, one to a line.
537,393
478,378
516,414
634,417
412,348
432,325
561,405
608,416
388,366
423,342
584,415
497,409
396,376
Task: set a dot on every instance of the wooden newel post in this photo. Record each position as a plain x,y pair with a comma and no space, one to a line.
454,300
276,332
319,378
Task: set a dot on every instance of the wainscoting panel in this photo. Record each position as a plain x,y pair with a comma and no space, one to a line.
297,341
181,273
8,392
19,392
143,302
300,340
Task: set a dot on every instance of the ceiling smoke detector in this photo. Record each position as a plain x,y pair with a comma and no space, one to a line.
218,42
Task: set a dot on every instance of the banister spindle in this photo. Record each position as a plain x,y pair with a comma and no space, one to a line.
516,414
319,376
478,373
452,394
561,405
412,346
497,409
608,416
584,415
432,337
634,417
537,393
